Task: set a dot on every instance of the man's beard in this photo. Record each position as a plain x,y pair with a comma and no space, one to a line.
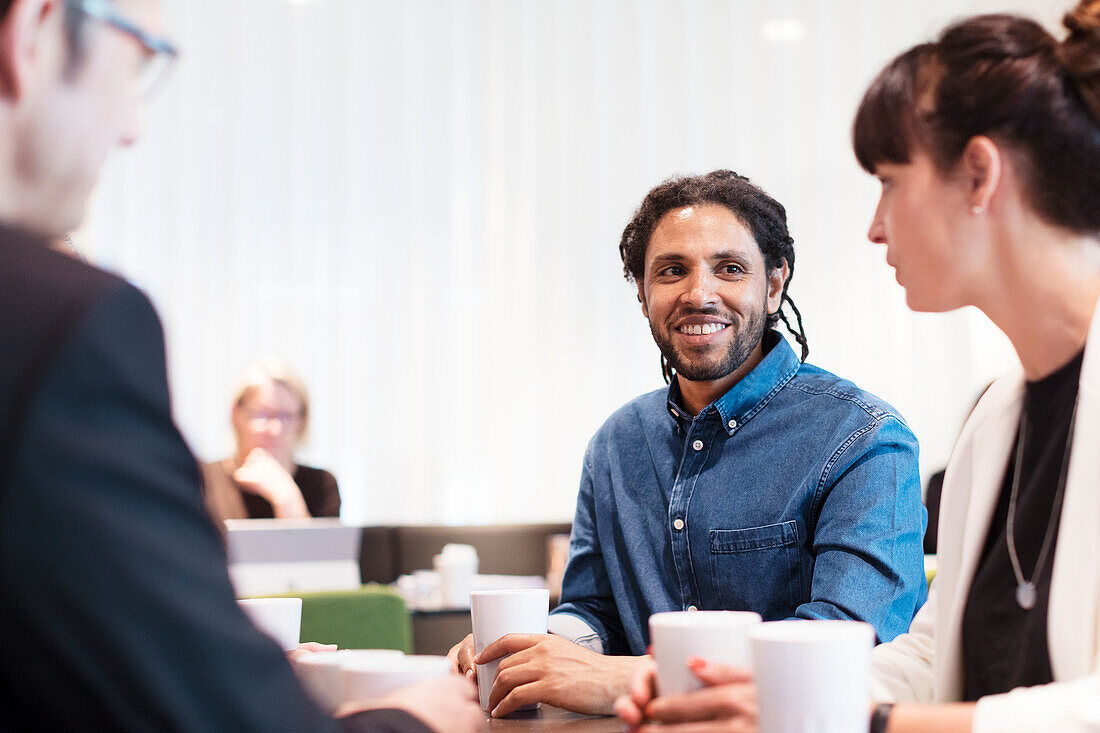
708,368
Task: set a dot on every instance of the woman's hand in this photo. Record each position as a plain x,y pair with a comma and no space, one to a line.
264,476
726,703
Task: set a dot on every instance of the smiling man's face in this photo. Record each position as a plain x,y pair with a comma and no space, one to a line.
706,292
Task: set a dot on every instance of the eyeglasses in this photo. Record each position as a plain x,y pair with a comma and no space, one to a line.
260,419
160,54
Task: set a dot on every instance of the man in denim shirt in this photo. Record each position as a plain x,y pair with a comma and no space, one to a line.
754,482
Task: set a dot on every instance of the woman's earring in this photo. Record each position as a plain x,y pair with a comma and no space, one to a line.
976,210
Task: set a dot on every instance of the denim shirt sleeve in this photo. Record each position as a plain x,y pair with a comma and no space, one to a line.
586,590
869,527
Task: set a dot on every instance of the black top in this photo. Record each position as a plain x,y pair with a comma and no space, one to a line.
319,491
1005,646
117,612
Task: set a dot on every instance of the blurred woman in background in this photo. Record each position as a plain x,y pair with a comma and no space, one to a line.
270,417
987,144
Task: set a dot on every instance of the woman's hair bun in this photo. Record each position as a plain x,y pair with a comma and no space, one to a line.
1079,53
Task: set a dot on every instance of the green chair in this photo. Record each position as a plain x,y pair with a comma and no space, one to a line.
371,617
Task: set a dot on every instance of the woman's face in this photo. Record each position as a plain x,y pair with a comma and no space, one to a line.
924,219
268,416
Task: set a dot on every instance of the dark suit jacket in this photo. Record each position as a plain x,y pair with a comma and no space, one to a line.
116,611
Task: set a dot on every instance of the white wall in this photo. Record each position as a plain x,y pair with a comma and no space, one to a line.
418,204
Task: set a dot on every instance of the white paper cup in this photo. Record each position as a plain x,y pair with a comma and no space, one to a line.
496,613
279,618
457,566
813,676
321,673
716,636
373,678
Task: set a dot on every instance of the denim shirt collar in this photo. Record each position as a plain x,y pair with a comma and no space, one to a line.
750,395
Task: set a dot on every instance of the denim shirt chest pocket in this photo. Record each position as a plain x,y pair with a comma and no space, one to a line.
756,569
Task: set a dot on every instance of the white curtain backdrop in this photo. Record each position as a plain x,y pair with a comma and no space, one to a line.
418,205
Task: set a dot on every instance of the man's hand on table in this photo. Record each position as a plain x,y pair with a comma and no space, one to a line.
306,648
443,704
549,669
462,657
727,703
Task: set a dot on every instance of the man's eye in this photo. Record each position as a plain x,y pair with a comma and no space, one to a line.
672,271
732,269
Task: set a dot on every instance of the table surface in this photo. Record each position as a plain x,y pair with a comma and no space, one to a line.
548,718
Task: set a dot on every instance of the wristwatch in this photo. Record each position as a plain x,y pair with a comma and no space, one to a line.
880,717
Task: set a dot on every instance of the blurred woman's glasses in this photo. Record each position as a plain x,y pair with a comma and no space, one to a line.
260,419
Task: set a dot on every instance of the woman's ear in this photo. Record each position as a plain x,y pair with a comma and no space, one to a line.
982,164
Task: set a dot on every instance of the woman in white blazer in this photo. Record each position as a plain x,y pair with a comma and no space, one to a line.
987,143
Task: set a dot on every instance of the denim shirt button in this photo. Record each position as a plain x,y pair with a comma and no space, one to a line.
732,424
678,524
692,608
697,445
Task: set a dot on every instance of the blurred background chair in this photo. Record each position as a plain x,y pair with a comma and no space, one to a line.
371,617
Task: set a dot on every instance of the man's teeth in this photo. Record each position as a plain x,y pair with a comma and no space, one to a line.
700,330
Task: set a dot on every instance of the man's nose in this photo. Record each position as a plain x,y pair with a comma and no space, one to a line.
131,127
702,290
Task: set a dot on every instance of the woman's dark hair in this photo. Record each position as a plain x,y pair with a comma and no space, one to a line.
765,218
1005,77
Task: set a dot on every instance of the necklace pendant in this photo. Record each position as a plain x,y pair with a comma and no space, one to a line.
1026,596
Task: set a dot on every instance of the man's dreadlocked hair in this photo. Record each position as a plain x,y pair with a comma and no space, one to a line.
765,218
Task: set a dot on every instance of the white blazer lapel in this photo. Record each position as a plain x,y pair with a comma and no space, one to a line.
1074,609
975,490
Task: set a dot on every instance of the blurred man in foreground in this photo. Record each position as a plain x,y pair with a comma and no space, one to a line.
117,610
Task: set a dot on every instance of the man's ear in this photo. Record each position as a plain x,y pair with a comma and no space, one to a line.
982,162
20,35
641,298
776,278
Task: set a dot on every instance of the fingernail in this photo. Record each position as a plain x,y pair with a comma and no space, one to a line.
696,662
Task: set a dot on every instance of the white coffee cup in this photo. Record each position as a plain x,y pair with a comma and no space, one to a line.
321,673
496,613
457,566
367,679
813,676
279,618
716,636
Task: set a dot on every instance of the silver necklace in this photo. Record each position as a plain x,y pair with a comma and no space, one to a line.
1026,595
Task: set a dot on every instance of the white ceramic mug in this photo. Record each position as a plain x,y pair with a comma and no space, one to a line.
716,636
813,676
321,673
496,613
279,618
367,679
